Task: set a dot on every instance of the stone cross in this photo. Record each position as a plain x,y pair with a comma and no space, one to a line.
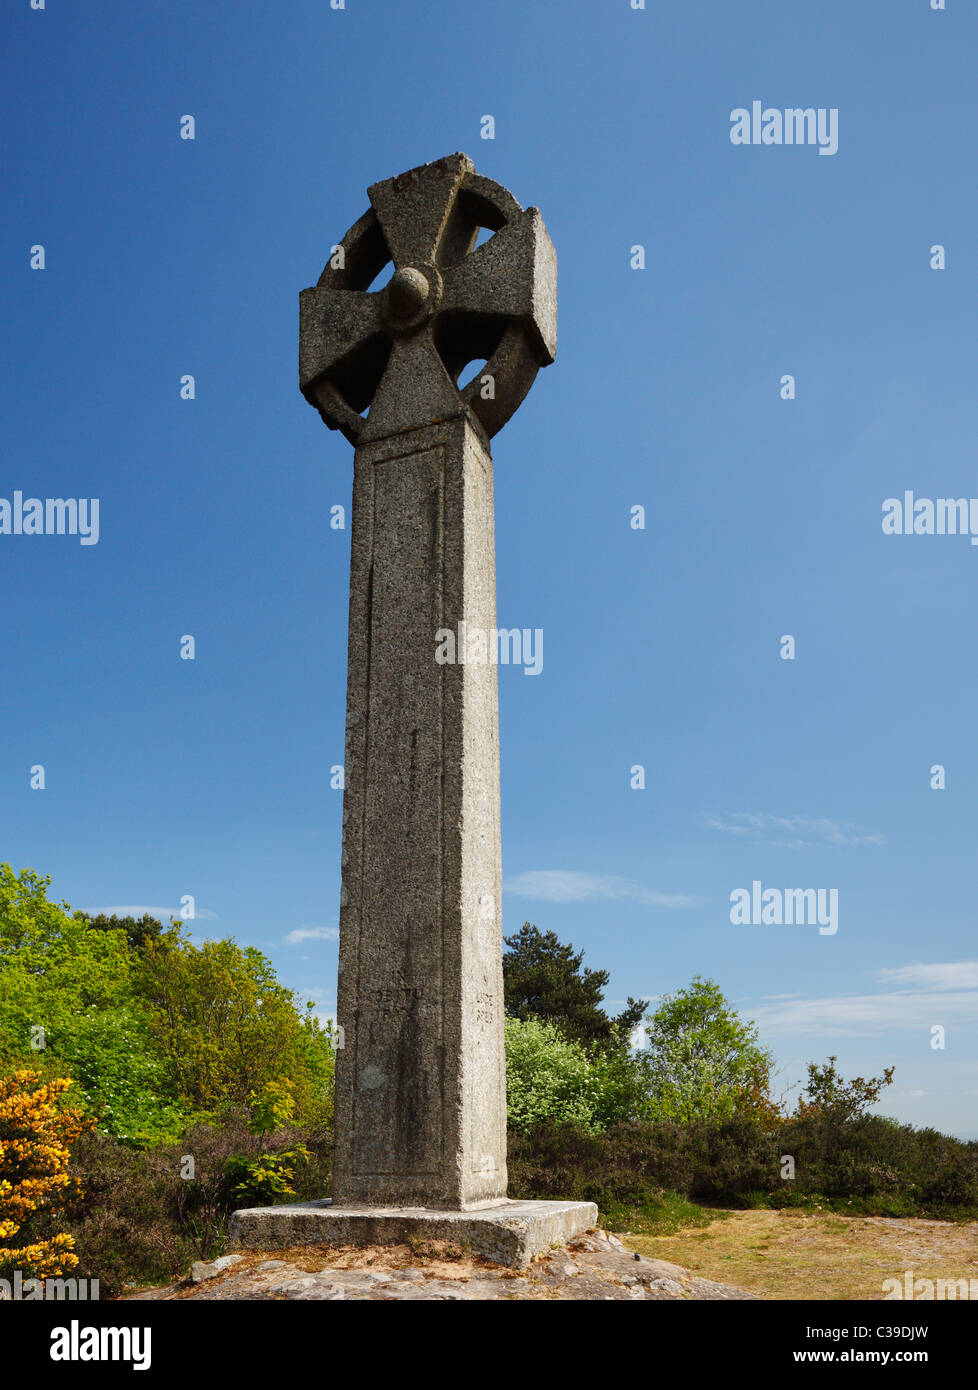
420,1079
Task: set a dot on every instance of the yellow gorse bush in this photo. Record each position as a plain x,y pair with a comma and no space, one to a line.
37,1131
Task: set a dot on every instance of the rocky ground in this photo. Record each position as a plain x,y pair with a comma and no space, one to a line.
595,1266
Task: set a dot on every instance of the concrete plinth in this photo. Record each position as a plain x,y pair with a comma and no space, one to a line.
509,1233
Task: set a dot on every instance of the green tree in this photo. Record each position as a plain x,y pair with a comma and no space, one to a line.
138,930
702,1061
68,1003
828,1096
156,1032
226,1027
544,979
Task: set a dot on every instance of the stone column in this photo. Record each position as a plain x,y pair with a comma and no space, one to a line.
420,1098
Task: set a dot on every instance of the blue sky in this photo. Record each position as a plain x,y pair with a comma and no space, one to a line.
661,647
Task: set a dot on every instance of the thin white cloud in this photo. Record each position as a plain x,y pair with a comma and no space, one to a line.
959,974
141,910
927,994
569,886
801,831
312,934
867,1014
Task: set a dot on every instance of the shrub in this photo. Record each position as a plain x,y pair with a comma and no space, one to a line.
36,1133
551,1079
146,1215
127,1227
866,1165
263,1179
260,1178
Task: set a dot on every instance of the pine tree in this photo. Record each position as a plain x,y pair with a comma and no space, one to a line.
543,978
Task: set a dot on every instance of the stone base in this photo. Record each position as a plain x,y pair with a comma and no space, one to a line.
509,1233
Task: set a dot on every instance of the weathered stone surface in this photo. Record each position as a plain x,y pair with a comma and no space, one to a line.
594,1267
400,350
420,1081
202,1270
508,1233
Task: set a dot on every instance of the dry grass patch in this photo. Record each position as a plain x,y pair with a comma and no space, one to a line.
790,1254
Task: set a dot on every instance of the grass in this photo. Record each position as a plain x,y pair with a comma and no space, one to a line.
797,1254
663,1215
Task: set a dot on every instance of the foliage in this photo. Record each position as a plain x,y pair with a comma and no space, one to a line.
216,1082
262,1178
271,1108
36,1134
865,1165
68,1004
543,979
127,1227
702,1061
212,1088
147,1214
157,1032
137,931
829,1097
223,1024
549,1078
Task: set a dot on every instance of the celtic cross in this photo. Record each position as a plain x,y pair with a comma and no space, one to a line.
420,1080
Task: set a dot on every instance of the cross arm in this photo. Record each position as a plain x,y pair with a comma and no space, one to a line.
333,324
513,275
